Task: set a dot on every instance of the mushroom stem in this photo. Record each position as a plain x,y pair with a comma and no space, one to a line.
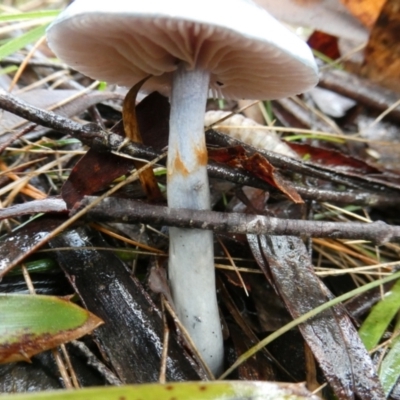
191,254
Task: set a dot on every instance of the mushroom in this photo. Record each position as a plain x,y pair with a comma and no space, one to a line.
229,47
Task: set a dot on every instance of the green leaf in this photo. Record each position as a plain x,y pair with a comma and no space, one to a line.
41,266
180,391
102,86
379,318
29,15
8,70
20,42
389,371
31,324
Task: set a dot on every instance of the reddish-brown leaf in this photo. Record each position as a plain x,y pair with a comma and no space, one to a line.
334,159
257,165
263,169
227,155
92,173
95,171
325,44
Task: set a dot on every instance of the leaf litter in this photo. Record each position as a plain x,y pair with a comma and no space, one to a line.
283,259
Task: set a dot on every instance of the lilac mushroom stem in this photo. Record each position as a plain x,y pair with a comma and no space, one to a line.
191,254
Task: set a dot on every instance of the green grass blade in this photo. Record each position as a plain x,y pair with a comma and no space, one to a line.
270,338
8,70
41,266
29,15
389,371
179,391
20,42
379,318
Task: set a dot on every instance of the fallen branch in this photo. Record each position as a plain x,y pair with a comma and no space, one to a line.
368,182
90,134
361,90
103,141
49,205
131,211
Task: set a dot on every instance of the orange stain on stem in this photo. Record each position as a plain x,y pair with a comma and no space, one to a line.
202,156
179,166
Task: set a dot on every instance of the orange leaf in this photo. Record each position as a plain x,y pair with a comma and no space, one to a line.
147,178
366,11
382,55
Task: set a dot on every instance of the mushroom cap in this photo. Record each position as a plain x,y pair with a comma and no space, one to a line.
247,52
